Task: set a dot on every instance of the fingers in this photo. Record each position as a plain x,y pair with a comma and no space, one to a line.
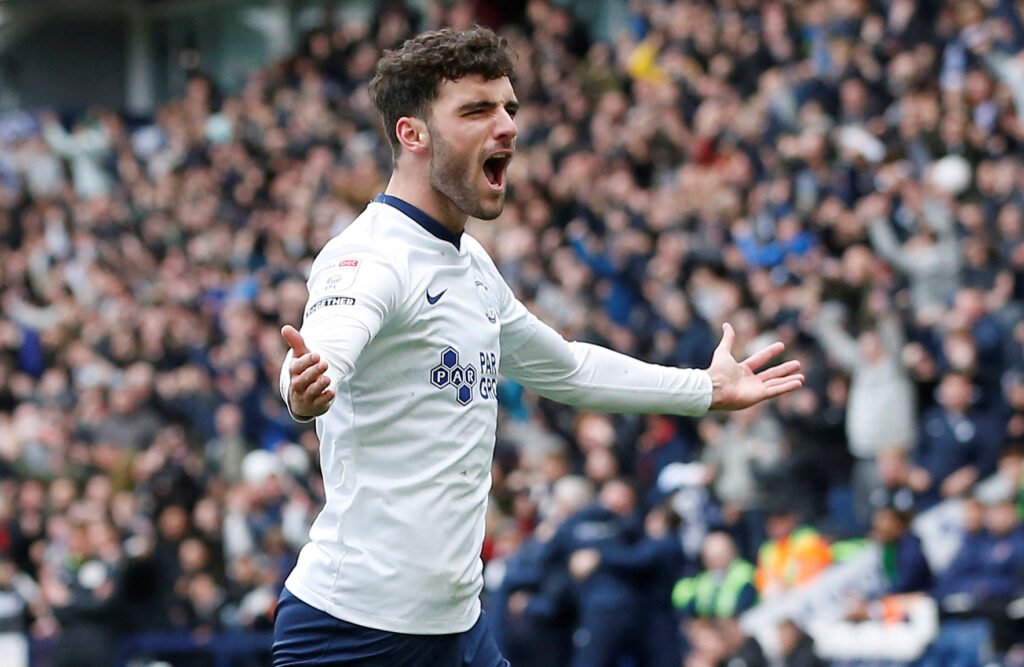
319,405
312,407
777,382
310,376
310,393
728,336
779,371
300,364
758,359
294,339
782,386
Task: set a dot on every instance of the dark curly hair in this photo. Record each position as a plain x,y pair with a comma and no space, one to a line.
407,78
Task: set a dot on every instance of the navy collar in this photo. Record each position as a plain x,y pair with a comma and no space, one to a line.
421,218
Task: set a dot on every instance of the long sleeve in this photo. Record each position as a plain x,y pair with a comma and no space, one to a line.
946,256
941,259
1009,70
58,139
840,346
912,571
890,330
960,574
886,244
596,378
631,559
989,432
589,376
351,292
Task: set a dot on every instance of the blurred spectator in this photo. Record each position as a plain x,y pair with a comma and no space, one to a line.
78,583
973,593
906,568
224,453
957,443
655,563
535,598
891,625
86,146
895,468
741,456
717,642
1008,481
21,606
797,647
724,589
794,554
880,409
930,257
605,631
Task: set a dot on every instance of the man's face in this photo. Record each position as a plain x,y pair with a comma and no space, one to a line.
871,347
955,393
1001,518
779,526
618,498
472,139
887,525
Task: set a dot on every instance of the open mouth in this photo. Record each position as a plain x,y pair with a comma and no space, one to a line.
494,169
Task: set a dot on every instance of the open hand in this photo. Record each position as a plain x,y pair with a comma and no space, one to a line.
738,385
309,394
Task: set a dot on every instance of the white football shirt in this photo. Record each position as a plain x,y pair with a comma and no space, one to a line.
415,324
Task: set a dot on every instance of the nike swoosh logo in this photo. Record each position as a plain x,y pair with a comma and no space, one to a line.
437,297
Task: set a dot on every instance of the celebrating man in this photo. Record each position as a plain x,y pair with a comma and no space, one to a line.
407,326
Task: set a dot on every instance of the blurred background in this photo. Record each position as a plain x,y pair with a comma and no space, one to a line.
132,55
845,175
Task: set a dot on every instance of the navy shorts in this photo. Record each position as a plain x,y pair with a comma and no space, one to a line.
304,636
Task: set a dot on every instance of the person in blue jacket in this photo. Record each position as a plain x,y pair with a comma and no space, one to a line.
654,564
958,444
973,593
906,568
535,609
533,597
608,603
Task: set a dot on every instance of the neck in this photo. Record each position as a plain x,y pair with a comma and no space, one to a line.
421,194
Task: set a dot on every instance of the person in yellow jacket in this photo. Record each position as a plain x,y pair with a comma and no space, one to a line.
725,589
793,555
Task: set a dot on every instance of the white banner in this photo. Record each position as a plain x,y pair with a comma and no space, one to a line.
13,650
941,530
823,600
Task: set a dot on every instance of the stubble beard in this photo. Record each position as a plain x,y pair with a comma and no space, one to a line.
454,178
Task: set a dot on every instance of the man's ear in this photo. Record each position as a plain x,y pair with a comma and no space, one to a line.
413,134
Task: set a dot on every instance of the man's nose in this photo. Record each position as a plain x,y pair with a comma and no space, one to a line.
505,128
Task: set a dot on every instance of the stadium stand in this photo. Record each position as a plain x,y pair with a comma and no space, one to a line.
846,174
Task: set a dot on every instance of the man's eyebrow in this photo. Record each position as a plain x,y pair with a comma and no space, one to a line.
475,105
478,105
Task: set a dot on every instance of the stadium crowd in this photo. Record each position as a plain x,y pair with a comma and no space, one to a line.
846,175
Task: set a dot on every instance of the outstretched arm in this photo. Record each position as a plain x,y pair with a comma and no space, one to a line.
596,378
